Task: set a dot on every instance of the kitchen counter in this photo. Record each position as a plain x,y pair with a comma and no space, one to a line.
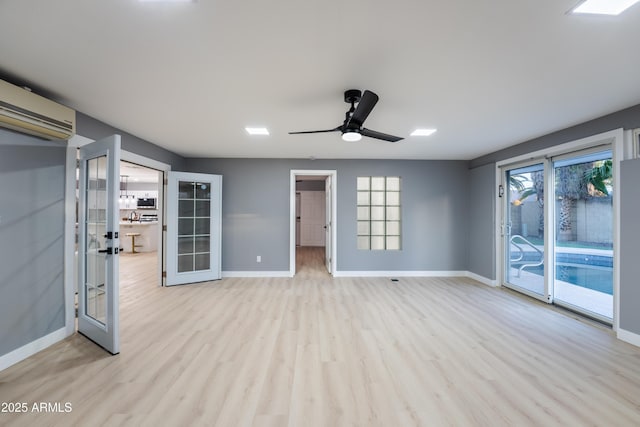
143,223
148,238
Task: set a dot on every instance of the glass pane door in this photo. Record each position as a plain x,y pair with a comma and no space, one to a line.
584,233
95,227
194,231
524,229
98,312
193,227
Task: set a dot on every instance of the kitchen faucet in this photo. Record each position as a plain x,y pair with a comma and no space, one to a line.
133,216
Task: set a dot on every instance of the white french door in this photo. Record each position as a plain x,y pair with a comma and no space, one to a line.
194,227
98,243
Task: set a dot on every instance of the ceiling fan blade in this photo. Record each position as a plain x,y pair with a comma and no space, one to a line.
379,135
316,131
366,104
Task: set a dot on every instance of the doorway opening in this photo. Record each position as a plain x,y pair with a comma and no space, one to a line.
136,186
313,225
140,204
140,216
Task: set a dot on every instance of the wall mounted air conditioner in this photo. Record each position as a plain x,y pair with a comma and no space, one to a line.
24,111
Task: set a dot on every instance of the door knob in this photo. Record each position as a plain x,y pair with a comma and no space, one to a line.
108,251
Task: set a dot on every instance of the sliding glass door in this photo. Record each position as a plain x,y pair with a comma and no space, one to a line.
524,229
583,247
578,273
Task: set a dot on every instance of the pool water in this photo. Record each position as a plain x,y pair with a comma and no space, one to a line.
592,277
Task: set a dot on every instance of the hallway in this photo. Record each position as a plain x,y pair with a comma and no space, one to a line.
310,263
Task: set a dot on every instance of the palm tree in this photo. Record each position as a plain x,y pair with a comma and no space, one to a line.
599,177
538,186
570,186
574,182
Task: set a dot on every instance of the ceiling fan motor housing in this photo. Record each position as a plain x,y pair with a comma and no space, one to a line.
352,95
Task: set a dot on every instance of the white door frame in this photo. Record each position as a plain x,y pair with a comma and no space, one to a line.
292,215
130,157
70,278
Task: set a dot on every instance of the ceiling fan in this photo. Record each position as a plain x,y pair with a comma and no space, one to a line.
352,129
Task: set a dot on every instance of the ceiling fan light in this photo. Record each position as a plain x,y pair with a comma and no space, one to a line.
351,136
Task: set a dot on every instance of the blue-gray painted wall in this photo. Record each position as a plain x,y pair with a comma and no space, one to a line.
95,129
629,240
628,118
32,196
481,247
32,177
255,208
447,212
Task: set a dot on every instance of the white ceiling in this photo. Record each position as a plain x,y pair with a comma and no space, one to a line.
190,77
137,173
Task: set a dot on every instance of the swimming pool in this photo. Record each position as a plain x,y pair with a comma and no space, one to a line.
598,278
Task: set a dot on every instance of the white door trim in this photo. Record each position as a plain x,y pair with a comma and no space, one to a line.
292,215
130,157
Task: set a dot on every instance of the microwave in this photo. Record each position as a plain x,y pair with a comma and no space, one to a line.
146,203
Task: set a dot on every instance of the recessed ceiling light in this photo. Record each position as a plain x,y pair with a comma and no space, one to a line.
257,131
423,132
604,7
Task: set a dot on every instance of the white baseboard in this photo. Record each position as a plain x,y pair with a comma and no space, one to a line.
256,274
416,273
482,279
32,348
411,273
630,337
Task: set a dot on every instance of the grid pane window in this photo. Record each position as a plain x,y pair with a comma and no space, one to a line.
378,212
194,231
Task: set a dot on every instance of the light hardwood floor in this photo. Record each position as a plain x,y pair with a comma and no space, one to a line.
319,351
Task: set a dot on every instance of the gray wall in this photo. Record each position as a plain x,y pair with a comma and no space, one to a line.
32,178
308,185
256,213
628,118
32,186
91,128
482,184
629,253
